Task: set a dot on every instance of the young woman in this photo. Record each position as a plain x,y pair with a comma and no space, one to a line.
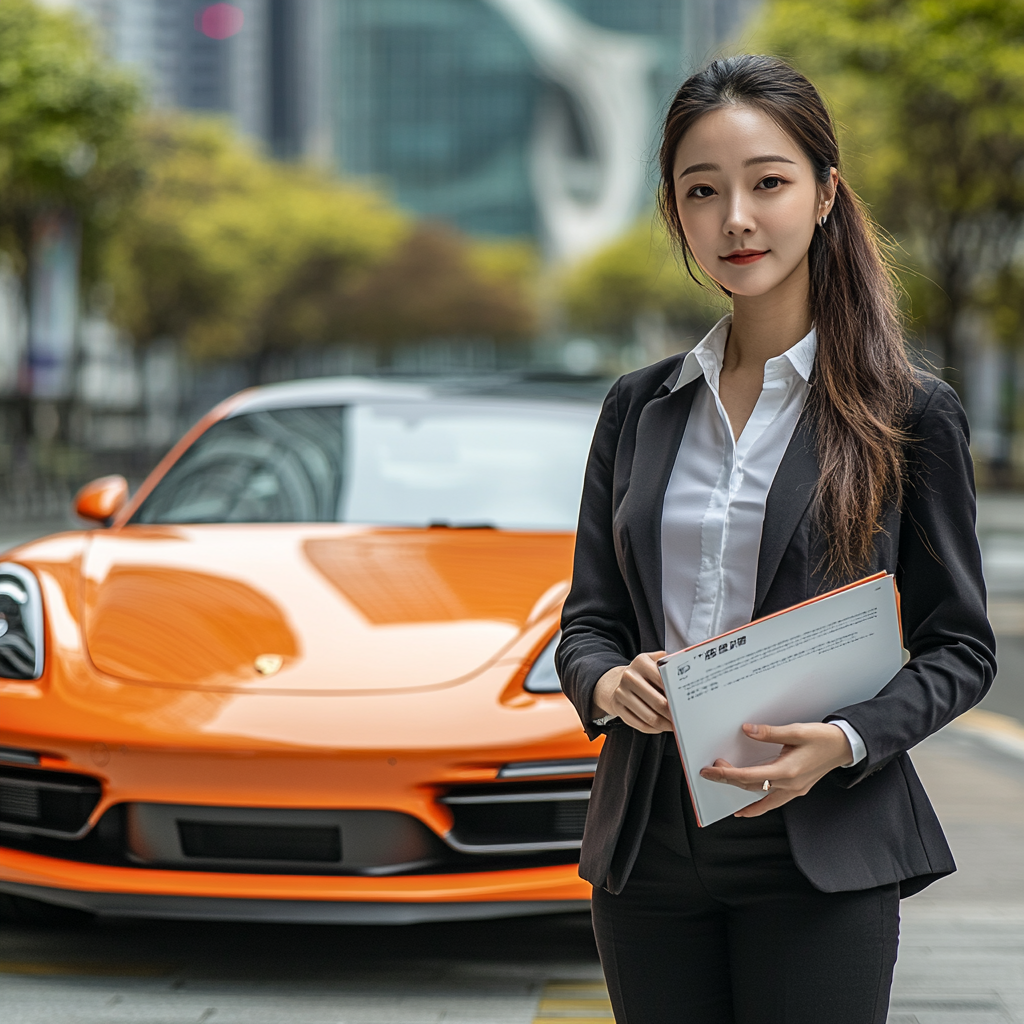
795,449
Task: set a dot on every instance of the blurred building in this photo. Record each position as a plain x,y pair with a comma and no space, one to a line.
238,59
506,117
534,117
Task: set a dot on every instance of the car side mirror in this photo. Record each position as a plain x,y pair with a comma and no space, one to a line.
101,499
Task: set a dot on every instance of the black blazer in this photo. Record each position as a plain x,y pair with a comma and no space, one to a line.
859,827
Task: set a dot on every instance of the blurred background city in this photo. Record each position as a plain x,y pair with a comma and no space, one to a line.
198,197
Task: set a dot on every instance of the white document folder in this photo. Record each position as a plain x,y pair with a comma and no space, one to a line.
798,665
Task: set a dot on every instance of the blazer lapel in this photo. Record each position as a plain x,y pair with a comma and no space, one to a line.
658,434
790,494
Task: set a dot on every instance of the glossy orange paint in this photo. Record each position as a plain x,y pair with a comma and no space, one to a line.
550,883
348,608
402,654
101,499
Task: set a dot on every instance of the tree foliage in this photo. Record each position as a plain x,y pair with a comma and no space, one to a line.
932,99
238,255
66,127
637,275
218,233
432,286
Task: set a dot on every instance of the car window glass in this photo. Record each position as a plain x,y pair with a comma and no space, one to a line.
283,466
466,466
514,466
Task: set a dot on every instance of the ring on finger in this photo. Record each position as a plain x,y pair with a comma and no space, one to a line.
767,786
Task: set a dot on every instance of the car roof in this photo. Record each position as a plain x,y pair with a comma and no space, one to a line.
343,390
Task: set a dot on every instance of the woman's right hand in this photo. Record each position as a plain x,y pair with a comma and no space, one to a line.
635,694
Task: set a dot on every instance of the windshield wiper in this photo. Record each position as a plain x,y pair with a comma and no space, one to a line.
447,524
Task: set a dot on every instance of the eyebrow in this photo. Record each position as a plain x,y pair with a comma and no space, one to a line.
772,158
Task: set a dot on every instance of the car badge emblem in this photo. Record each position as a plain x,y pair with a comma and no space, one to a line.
268,664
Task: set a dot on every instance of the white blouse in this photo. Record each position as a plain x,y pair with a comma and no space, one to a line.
715,500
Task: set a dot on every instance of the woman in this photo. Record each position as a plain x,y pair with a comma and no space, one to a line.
795,449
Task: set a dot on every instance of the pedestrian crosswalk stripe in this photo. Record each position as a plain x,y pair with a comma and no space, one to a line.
574,1002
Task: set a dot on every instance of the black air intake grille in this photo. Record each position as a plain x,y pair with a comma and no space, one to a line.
498,824
305,843
46,803
523,816
19,803
570,817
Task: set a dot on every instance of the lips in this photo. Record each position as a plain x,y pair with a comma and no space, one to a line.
744,256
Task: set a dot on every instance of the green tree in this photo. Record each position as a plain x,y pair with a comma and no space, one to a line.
438,284
66,129
234,254
932,98
239,256
435,283
636,277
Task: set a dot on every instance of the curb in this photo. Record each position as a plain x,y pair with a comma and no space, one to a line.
998,732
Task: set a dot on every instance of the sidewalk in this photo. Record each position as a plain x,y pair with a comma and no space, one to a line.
962,945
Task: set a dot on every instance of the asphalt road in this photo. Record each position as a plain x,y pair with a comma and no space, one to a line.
168,972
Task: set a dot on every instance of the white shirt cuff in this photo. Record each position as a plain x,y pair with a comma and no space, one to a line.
856,743
605,720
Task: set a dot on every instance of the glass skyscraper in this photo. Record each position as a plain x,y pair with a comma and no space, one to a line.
514,117
435,98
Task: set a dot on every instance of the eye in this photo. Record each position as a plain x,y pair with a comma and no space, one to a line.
771,182
701,191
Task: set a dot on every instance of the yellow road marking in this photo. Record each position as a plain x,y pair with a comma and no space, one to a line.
104,970
578,1002
999,731
574,1004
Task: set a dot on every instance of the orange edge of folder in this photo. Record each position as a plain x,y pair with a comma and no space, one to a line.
783,611
793,608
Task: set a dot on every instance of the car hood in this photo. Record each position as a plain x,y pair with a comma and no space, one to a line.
314,608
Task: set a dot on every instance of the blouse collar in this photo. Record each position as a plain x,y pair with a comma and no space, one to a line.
705,359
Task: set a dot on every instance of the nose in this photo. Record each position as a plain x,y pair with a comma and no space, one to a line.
739,220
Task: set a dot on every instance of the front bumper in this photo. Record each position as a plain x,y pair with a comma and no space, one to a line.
143,892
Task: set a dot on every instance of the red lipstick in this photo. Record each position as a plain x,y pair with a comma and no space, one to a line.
744,256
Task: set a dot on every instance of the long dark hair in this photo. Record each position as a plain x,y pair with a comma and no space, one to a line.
863,381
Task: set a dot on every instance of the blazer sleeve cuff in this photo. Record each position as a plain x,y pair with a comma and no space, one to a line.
590,670
849,775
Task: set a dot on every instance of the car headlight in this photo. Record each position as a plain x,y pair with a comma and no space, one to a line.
542,677
21,623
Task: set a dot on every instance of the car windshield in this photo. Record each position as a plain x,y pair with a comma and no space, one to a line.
510,465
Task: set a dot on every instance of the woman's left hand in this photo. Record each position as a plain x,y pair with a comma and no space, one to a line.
810,750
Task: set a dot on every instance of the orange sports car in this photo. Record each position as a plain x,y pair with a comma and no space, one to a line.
306,672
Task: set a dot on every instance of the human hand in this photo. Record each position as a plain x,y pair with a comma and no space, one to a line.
635,694
810,750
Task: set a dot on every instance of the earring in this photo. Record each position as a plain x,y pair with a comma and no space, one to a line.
822,219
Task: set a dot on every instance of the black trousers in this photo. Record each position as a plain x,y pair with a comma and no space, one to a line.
717,925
